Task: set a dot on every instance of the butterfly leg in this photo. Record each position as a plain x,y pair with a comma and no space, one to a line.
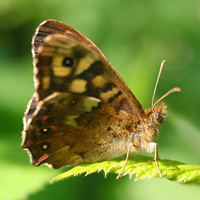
127,156
156,159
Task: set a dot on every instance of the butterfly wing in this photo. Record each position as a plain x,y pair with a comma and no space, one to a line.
82,111
69,129
90,73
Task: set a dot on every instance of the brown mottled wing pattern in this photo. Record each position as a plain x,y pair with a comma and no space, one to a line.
69,129
90,65
82,111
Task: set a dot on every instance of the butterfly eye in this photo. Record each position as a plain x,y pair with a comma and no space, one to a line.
158,116
68,62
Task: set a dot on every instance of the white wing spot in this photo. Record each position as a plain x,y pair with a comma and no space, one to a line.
46,82
44,129
84,64
61,71
73,101
44,146
107,95
71,120
90,102
78,86
99,81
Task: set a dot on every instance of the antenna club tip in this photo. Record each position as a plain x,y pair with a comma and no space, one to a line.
177,89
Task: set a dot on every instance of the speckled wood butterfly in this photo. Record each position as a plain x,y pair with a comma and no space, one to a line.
82,111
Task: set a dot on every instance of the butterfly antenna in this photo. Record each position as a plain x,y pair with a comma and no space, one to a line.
176,89
154,92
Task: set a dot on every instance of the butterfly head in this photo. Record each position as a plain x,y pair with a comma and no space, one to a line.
155,116
158,114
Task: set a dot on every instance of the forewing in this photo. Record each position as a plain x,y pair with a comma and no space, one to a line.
88,74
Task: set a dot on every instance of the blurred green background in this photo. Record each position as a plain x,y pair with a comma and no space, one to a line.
135,36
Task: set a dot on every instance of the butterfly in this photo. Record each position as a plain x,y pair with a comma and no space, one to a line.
82,111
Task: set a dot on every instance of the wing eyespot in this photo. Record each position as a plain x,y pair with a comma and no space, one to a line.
44,131
68,62
49,119
44,146
74,102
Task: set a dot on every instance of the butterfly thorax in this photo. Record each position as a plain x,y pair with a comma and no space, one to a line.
148,129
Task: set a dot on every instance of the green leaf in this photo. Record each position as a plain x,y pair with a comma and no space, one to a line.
143,167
